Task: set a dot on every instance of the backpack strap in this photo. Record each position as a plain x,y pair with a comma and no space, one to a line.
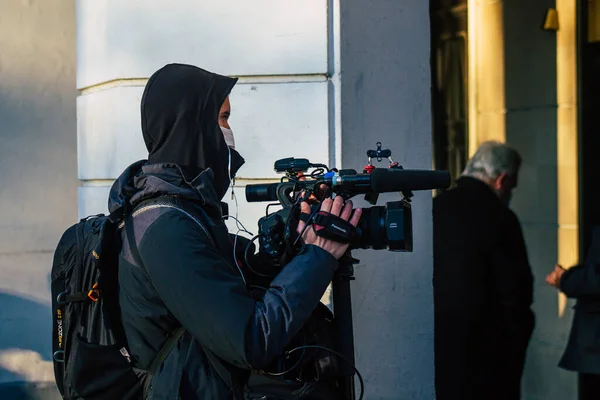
165,350
129,230
131,238
173,339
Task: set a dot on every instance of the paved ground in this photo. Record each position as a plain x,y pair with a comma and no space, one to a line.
29,391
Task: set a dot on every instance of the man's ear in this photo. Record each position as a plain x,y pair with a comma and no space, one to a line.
500,181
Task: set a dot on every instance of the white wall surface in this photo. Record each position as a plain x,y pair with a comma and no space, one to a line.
131,39
280,107
269,120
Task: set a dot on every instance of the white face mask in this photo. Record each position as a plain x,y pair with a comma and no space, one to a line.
228,135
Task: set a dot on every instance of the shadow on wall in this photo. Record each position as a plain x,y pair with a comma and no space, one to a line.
25,349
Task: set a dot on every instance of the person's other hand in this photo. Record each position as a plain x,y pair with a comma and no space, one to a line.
337,208
553,278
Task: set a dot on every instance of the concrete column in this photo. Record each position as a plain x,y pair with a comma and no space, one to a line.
385,96
486,97
530,65
37,183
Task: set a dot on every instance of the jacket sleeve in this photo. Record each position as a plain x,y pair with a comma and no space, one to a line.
512,281
581,281
208,297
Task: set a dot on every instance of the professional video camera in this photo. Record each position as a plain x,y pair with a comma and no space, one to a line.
387,226
380,227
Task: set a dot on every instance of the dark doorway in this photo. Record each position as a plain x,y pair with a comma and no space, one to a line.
449,84
589,121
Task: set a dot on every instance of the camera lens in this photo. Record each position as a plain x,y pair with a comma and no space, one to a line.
385,227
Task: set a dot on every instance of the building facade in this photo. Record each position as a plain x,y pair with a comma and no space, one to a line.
319,79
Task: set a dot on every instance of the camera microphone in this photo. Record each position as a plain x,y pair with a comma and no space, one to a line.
381,180
386,180
292,165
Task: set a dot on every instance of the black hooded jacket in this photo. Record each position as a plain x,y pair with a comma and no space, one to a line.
180,109
188,277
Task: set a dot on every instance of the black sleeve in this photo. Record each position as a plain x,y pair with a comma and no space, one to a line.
208,297
512,280
581,281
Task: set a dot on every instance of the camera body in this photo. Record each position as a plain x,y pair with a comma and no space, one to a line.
380,227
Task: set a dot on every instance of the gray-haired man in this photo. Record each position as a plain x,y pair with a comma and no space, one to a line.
483,285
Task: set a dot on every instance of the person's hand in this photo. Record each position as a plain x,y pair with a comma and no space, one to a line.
553,278
337,208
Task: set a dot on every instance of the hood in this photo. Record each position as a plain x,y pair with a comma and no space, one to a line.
180,109
141,181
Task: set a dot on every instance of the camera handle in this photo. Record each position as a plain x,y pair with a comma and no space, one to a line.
343,327
283,193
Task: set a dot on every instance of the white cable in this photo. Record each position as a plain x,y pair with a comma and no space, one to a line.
236,261
233,195
235,241
239,225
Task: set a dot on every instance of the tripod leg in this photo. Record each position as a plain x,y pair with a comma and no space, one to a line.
344,332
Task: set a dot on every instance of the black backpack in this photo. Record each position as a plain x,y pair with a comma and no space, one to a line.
91,357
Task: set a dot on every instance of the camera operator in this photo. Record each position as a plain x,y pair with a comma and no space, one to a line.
181,270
